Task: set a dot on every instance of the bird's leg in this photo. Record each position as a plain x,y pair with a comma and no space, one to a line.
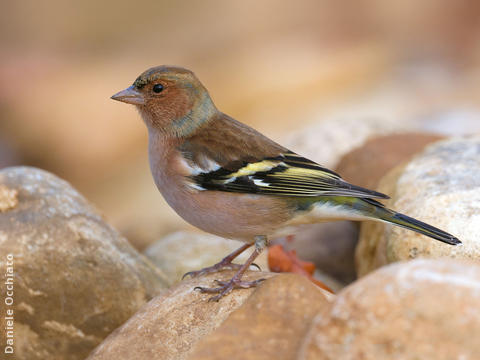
225,263
235,282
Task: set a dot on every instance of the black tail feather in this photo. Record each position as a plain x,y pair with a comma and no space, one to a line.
423,228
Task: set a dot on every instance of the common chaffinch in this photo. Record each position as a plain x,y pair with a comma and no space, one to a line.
228,179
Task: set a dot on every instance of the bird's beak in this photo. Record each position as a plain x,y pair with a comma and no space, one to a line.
130,96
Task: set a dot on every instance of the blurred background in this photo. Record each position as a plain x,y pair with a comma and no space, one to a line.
280,66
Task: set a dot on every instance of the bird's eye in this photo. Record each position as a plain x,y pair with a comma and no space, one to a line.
157,88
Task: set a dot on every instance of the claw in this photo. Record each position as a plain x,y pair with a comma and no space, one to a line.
235,282
226,287
215,298
255,265
187,274
249,284
225,263
209,290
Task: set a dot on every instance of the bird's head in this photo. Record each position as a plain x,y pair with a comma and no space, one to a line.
170,99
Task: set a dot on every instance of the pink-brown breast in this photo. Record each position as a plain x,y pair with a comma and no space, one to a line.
230,215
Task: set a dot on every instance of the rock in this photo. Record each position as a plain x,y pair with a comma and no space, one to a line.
172,323
440,186
8,198
455,122
331,247
366,165
39,130
184,251
327,141
76,279
428,31
282,261
141,213
332,283
423,309
269,325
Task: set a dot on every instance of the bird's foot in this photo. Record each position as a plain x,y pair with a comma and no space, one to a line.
227,286
222,265
235,282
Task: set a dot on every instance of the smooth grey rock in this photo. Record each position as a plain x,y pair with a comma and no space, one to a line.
76,278
440,186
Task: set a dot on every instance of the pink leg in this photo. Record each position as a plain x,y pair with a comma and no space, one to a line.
235,282
225,263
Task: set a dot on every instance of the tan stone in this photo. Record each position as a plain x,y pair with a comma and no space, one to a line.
8,198
314,243
366,165
184,251
269,325
423,309
326,279
140,212
172,323
331,247
440,186
327,141
76,279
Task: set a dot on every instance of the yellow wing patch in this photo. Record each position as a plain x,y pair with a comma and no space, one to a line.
253,168
285,175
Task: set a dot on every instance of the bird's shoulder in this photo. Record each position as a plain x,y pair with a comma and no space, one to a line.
228,143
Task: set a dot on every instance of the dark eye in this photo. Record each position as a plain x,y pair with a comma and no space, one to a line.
157,88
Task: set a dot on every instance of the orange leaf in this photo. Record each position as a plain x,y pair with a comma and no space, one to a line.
280,260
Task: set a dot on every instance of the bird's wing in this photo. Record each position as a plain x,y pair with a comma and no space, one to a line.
231,156
287,174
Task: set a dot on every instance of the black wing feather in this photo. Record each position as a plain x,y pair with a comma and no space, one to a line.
284,175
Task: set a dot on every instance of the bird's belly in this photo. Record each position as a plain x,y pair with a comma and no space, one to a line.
326,211
230,215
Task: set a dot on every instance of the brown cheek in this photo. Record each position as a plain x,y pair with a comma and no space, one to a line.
178,102
174,105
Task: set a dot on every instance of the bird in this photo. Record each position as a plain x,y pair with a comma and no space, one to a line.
227,179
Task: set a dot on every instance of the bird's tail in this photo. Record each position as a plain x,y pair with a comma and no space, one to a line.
407,222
